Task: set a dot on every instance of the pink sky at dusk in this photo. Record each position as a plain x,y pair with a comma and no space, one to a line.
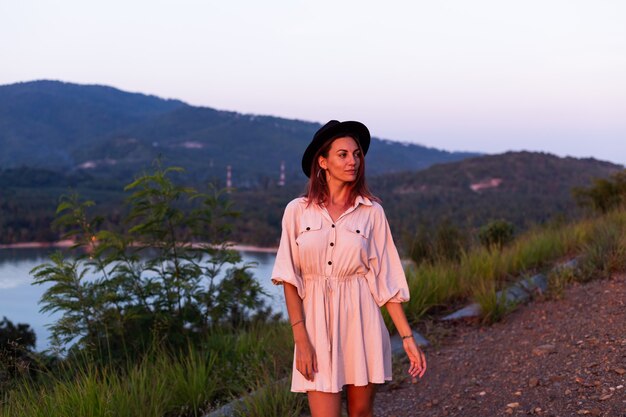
485,76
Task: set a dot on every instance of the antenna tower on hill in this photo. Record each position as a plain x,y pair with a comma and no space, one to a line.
229,178
281,181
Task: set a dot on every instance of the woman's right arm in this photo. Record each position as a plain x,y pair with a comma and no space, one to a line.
306,361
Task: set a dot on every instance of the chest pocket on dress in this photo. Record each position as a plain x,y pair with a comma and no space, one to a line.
356,235
309,227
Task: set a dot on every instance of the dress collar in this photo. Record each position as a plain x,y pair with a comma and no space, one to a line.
362,200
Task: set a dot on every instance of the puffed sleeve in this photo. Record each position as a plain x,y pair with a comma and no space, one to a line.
385,276
287,264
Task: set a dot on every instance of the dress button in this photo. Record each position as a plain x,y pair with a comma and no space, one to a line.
332,244
330,262
358,231
308,228
332,225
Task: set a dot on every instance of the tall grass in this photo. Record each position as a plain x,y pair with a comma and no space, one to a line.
273,398
605,254
480,272
163,384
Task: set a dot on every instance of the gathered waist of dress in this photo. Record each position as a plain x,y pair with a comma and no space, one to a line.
320,277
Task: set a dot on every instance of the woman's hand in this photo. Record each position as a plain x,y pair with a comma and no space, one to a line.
306,361
416,356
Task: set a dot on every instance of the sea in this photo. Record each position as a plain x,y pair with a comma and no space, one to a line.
20,300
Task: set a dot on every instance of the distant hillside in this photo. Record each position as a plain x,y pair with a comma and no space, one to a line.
44,123
524,188
57,137
111,133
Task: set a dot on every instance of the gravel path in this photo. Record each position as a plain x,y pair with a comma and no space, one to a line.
564,357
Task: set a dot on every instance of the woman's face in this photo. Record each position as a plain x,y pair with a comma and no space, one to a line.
343,161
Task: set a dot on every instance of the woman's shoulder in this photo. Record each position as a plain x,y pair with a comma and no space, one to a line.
375,211
296,206
373,204
298,202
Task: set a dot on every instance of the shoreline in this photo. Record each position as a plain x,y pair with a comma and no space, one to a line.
69,243
37,245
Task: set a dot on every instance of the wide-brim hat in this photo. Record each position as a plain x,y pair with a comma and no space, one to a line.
334,129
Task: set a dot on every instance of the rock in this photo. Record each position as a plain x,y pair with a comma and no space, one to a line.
472,310
605,397
509,411
620,371
583,382
533,382
544,349
513,405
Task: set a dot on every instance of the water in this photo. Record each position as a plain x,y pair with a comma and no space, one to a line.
19,300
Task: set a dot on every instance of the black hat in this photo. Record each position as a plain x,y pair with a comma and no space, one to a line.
330,130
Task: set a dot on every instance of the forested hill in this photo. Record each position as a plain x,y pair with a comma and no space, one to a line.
521,187
524,188
44,123
57,137
111,133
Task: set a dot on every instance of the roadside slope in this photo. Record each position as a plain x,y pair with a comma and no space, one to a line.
561,357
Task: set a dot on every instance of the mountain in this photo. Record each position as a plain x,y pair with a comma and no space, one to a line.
43,123
57,137
112,133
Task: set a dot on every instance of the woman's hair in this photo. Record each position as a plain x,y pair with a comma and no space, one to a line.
317,188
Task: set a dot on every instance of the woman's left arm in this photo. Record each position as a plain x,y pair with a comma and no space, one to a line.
415,354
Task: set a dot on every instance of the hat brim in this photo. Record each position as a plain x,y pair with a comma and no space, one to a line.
334,129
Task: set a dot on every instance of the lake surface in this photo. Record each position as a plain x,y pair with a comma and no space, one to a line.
19,300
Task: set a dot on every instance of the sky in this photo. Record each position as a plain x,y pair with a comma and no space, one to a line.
479,75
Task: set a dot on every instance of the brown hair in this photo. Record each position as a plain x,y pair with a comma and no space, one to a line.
317,188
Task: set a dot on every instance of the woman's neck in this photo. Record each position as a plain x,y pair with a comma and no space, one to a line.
338,194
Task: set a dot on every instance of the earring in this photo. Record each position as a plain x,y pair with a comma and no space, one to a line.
319,171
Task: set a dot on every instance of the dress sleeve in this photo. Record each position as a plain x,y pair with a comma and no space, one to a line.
287,264
385,276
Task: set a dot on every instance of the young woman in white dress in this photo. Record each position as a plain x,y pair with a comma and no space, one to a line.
339,265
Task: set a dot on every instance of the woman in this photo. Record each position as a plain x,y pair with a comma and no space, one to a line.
338,264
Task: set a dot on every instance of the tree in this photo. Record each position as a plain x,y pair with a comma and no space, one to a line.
168,276
496,233
604,194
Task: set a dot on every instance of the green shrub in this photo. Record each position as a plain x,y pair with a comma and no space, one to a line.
604,195
168,276
496,233
445,242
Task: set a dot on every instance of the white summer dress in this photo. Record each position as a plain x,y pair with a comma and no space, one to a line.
343,271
